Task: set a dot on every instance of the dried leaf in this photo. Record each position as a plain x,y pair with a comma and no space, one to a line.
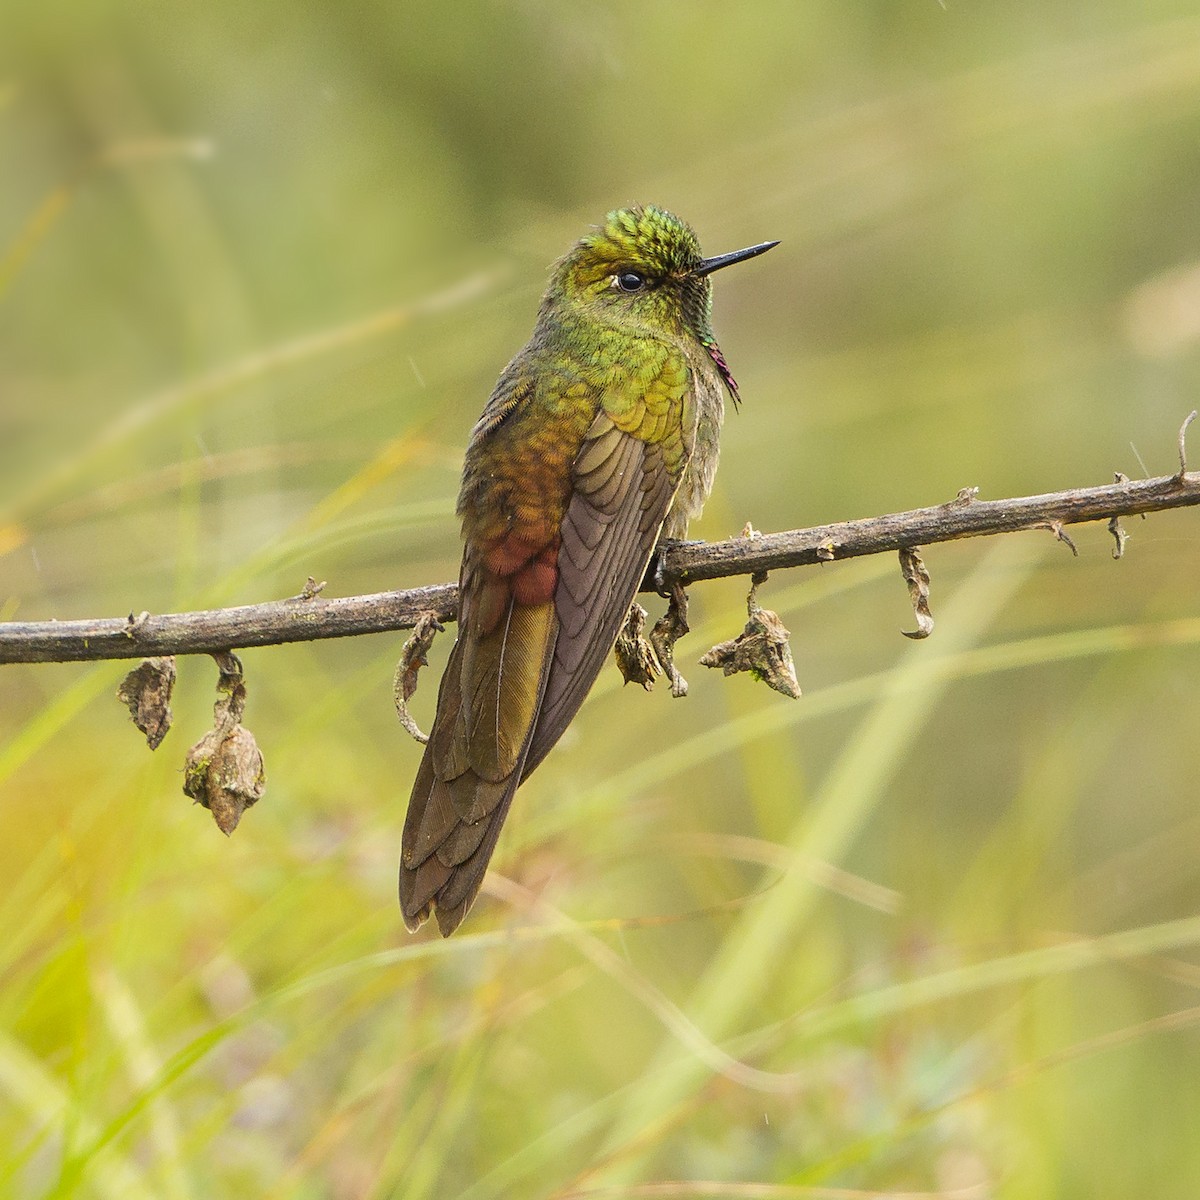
224,770
635,656
912,567
412,659
763,648
668,629
1118,531
146,691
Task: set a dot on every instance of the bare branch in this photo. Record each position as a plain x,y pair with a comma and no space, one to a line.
269,624
960,518
311,617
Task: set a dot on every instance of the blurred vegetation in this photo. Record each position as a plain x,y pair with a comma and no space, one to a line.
259,267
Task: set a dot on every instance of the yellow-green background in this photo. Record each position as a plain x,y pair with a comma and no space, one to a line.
932,927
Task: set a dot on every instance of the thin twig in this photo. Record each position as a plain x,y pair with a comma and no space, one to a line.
1183,443
312,618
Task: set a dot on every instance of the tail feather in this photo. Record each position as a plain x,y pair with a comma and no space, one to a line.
487,705
419,889
456,897
445,883
464,841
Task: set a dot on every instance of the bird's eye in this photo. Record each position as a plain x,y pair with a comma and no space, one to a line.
630,281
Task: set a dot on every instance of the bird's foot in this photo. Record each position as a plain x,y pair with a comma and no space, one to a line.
657,576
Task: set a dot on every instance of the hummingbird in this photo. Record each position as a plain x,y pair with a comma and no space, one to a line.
601,436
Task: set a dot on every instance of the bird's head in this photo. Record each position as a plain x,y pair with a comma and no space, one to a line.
643,266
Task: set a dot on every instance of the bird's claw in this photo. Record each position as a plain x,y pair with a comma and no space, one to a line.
656,574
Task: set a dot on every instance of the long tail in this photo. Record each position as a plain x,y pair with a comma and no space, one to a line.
487,707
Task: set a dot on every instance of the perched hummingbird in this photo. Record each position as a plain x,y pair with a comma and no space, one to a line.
601,435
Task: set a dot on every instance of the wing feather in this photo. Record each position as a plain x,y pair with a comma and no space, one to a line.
609,532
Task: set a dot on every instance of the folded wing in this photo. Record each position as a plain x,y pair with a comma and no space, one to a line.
537,622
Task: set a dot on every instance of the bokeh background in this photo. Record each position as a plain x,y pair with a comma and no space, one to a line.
933,928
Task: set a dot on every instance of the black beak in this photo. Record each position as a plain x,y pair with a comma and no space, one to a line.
706,266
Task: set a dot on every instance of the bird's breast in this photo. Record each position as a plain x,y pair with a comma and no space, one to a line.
708,412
